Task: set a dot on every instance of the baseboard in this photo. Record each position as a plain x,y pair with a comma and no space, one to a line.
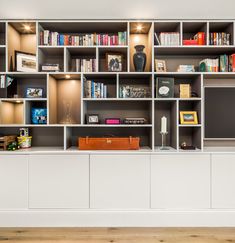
208,218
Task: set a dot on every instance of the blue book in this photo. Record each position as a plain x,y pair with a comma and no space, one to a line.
92,89
61,40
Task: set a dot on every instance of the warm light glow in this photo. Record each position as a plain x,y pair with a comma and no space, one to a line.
136,39
67,76
139,27
18,101
27,27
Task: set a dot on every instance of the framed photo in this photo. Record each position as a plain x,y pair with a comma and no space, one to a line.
25,62
160,65
188,117
114,62
34,92
92,119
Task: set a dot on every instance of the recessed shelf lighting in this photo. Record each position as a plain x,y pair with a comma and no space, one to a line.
139,27
27,27
67,76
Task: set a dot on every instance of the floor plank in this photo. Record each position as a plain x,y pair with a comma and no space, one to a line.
117,235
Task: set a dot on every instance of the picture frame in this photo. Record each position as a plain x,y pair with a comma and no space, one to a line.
25,62
188,118
92,119
114,62
160,65
34,92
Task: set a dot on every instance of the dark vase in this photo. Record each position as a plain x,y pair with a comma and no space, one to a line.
139,58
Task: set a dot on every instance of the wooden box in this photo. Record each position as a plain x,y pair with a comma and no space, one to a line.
109,143
6,140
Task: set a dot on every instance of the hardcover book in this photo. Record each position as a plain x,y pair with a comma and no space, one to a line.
165,87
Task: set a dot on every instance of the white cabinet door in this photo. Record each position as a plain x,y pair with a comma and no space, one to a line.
180,181
13,181
223,181
59,181
120,181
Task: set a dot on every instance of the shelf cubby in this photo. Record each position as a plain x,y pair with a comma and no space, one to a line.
29,105
103,51
190,29
137,81
109,79
73,133
2,59
191,136
73,53
169,110
20,38
22,81
227,27
2,34
119,109
11,112
161,26
141,34
64,99
48,55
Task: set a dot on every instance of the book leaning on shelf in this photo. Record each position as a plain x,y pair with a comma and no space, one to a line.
49,38
94,90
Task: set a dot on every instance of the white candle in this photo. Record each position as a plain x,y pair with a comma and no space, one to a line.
164,125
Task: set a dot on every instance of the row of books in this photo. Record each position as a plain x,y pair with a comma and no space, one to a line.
220,39
94,90
5,81
168,38
224,63
56,39
85,65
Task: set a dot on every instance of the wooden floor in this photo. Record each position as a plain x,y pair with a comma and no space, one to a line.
117,235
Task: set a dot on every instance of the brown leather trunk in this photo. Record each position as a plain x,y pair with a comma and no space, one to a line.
109,143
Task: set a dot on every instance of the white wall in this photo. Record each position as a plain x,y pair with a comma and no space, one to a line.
117,9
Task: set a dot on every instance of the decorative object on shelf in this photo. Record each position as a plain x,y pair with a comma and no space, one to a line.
92,119
185,91
25,62
6,140
109,143
139,58
39,116
24,132
112,121
184,146
165,87
160,65
188,117
50,67
186,68
13,146
114,62
163,132
135,120
11,67
67,112
5,81
194,94
34,92
128,91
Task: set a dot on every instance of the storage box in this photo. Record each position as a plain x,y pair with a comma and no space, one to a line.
109,143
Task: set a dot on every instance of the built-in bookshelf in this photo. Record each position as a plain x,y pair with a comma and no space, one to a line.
83,84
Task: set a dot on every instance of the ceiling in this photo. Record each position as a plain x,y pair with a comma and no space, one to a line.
117,9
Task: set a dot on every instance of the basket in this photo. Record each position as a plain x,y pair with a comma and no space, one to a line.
24,142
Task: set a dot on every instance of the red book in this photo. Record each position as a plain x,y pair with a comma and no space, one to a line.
232,63
66,40
201,38
190,42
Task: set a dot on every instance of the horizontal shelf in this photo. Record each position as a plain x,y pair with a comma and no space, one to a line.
189,125
174,99
23,99
94,46
166,150
106,125
117,99
142,149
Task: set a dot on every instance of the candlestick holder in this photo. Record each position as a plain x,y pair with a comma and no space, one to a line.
163,147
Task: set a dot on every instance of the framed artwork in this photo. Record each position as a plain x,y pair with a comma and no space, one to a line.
92,119
34,92
114,62
160,65
39,116
188,117
25,62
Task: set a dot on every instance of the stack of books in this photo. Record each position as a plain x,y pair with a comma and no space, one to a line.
198,39
94,90
50,38
220,39
85,65
168,39
209,65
